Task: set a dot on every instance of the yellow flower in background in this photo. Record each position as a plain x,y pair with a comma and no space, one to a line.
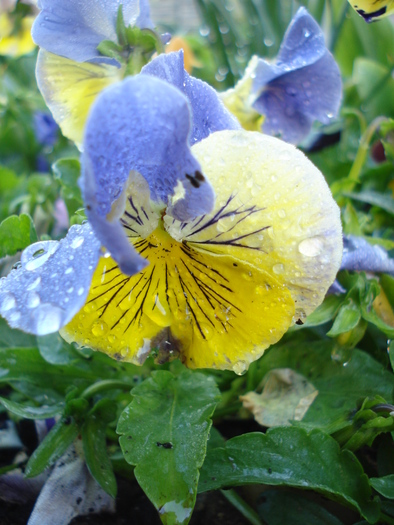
372,10
15,29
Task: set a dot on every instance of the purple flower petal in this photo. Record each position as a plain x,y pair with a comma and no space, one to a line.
293,101
141,124
52,283
74,28
303,43
208,111
359,255
301,86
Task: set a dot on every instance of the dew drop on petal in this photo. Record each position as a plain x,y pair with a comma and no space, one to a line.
69,270
14,317
32,300
278,268
80,290
8,303
240,368
34,284
311,247
41,256
48,319
99,328
77,242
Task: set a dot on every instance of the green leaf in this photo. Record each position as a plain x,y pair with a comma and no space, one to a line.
374,198
16,233
325,312
67,172
384,485
121,27
292,508
164,433
95,446
110,49
52,448
341,388
55,350
11,338
32,412
291,457
348,318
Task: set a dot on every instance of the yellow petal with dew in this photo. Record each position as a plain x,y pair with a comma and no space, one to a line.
273,210
210,310
69,88
373,9
15,43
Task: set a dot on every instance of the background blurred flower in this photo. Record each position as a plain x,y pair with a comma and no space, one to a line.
372,10
16,21
302,85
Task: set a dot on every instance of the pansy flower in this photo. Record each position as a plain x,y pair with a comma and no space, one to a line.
211,251
372,10
286,96
71,70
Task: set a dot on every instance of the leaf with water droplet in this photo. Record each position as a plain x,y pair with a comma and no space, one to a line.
292,457
169,410
16,233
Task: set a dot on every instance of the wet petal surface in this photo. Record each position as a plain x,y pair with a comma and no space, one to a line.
140,125
69,88
208,112
52,282
74,29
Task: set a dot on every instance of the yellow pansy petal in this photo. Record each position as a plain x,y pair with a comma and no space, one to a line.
212,311
19,43
373,9
273,210
69,89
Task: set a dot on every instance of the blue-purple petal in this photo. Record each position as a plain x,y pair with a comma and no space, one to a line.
208,111
52,282
359,255
73,28
293,101
303,43
140,124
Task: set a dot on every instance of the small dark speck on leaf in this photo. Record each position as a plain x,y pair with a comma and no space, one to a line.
299,322
164,445
270,471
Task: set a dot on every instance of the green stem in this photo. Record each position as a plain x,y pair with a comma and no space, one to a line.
361,156
107,384
241,505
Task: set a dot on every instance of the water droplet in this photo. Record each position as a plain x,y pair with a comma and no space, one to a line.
278,268
240,368
14,317
204,31
282,214
307,33
40,256
69,270
80,290
17,265
33,300
34,284
77,242
8,303
48,319
311,247
99,328
71,289
268,42
207,331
